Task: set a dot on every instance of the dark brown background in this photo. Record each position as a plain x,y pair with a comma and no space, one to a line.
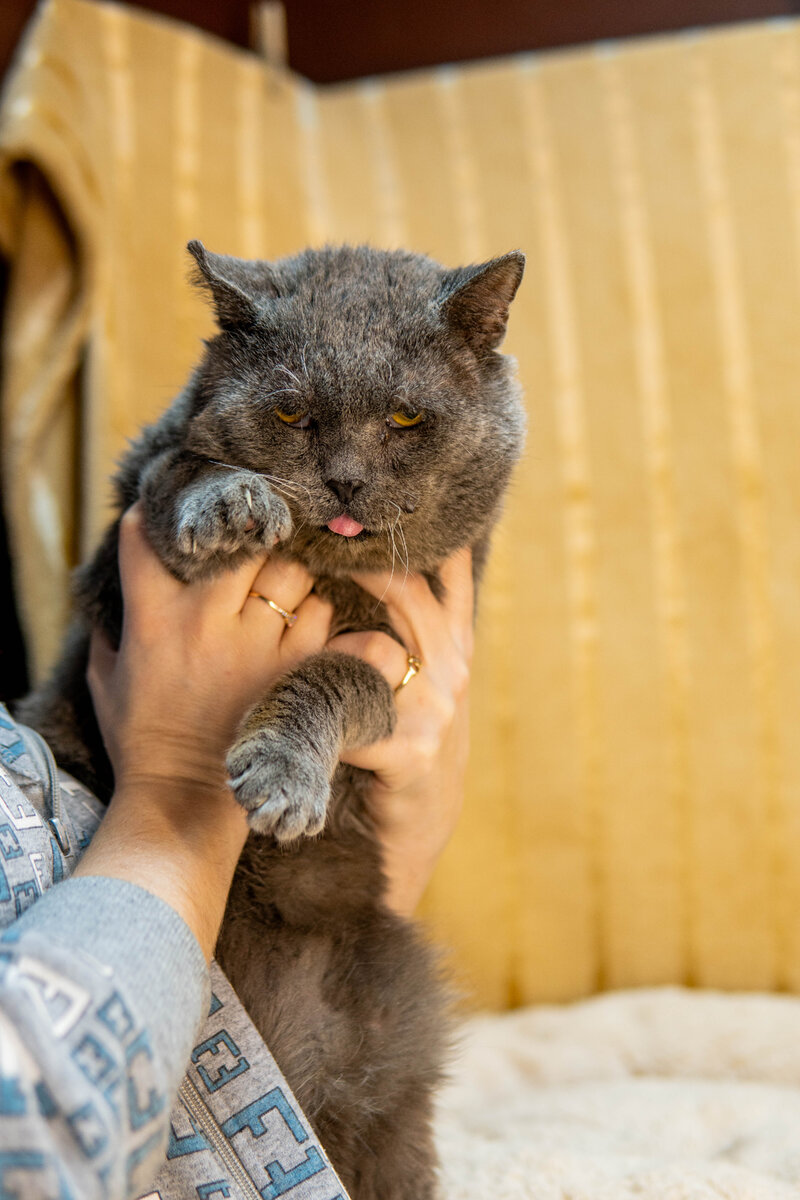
331,40
343,39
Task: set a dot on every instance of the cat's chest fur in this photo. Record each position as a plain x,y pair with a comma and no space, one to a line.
354,610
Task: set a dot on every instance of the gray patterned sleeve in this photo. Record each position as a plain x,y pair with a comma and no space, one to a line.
102,990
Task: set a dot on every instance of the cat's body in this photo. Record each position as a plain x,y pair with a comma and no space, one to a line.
349,390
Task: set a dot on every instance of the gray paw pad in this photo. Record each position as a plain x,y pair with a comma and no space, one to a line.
223,514
284,791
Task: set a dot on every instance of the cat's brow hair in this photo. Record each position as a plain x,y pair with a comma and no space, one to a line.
388,363
280,391
291,374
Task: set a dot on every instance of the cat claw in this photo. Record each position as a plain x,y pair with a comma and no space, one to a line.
284,791
222,516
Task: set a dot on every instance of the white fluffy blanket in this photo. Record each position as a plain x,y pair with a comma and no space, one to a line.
645,1095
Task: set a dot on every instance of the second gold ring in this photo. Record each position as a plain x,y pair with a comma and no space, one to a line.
413,667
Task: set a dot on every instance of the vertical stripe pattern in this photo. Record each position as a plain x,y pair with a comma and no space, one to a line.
576,500
250,161
314,182
461,166
745,451
389,198
654,402
633,802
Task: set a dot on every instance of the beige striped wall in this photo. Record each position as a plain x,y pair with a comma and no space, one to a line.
634,805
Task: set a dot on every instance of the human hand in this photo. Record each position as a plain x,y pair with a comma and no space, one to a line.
419,770
192,660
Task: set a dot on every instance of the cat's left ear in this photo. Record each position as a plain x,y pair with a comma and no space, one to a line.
477,299
235,284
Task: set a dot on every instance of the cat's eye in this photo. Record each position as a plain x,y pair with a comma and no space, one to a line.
300,420
403,419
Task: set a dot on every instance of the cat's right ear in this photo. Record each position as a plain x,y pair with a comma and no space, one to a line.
226,279
476,299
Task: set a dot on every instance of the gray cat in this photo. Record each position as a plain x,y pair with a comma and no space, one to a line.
352,402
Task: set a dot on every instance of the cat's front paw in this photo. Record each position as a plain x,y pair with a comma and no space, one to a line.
284,790
238,511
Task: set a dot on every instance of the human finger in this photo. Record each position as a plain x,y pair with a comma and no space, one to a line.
416,613
459,596
455,574
280,586
426,710
378,649
149,587
410,604
436,631
142,573
310,632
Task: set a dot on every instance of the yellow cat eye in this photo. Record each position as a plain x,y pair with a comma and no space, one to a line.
403,420
298,418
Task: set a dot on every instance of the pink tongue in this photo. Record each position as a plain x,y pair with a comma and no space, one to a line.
345,525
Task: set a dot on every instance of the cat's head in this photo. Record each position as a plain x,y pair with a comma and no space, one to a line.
367,385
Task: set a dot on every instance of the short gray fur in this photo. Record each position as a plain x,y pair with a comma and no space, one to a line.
347,995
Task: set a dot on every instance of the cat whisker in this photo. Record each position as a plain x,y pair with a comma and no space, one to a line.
287,482
398,525
405,545
282,491
297,529
390,530
290,483
379,601
284,488
215,462
393,544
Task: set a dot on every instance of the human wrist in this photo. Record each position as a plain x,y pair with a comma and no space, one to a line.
178,840
173,787
168,763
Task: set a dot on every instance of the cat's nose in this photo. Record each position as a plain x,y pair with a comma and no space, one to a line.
344,489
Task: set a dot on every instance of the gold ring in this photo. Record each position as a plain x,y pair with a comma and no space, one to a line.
414,666
288,617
